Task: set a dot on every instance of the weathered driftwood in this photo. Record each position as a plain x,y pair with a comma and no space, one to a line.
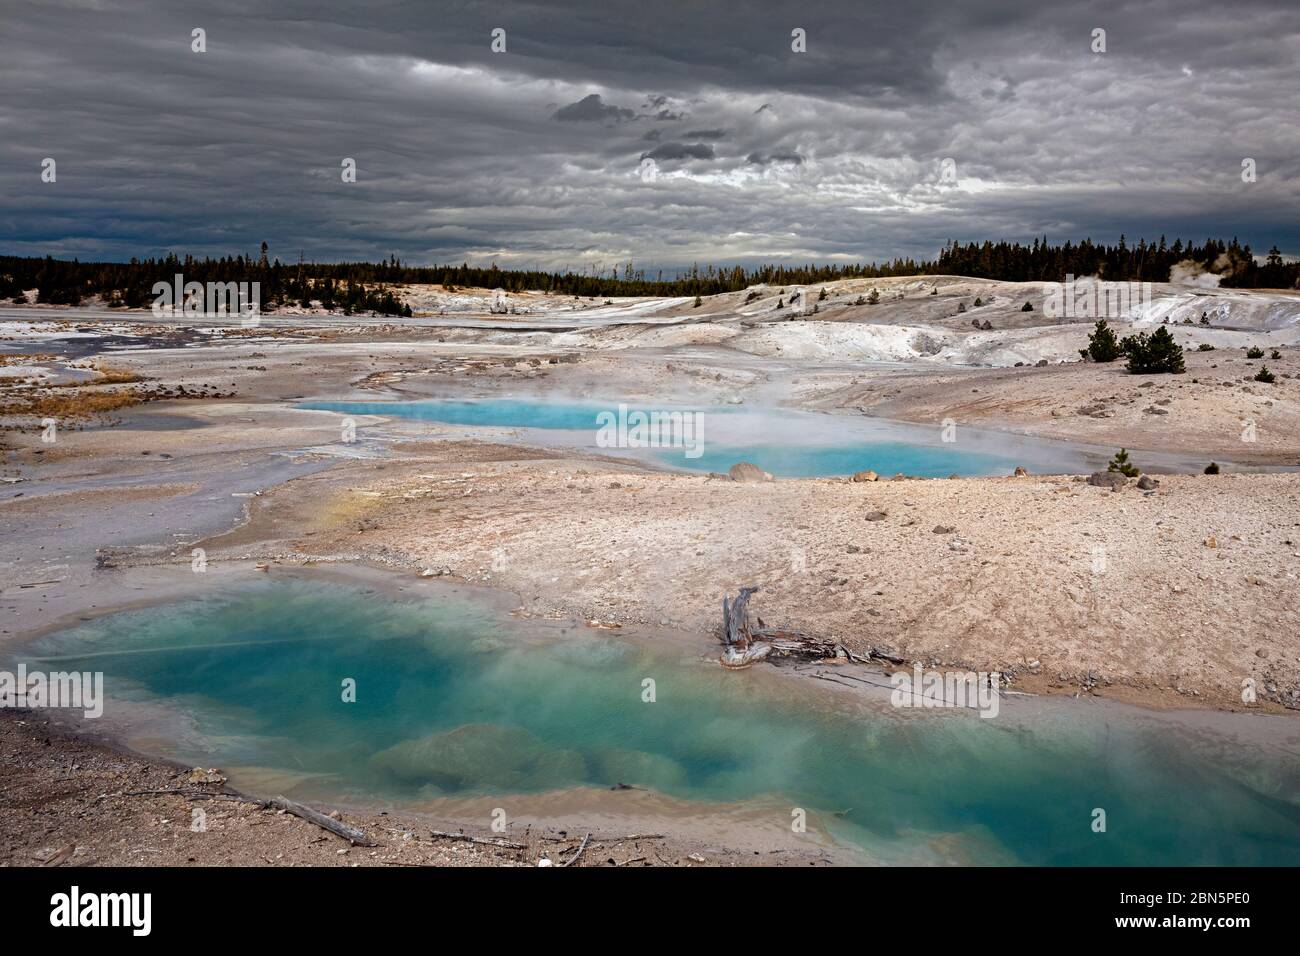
574,859
337,827
466,838
744,644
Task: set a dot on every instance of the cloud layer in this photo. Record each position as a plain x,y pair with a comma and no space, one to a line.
663,133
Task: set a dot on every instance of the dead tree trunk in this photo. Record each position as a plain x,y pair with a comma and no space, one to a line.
744,645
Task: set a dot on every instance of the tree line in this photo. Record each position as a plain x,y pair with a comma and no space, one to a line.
366,286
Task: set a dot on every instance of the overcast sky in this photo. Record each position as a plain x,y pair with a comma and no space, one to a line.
661,132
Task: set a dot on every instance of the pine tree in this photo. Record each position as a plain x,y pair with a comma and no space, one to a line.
1154,354
1102,344
1121,464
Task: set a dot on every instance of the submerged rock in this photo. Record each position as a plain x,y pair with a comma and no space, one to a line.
480,754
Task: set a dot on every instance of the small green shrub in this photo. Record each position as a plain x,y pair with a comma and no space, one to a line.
1121,464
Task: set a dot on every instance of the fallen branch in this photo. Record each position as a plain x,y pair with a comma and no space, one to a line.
190,792
466,838
337,827
573,859
630,836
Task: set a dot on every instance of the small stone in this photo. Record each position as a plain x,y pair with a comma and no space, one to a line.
865,476
875,516
943,529
1147,483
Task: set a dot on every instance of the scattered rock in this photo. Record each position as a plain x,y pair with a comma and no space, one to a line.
943,529
1107,479
875,516
745,471
1147,483
199,775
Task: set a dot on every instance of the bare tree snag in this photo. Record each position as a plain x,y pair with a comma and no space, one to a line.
744,644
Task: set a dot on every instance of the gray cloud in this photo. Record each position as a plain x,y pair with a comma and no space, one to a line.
592,108
778,156
671,151
530,156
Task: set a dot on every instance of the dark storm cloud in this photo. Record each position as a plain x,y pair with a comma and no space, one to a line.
670,151
592,109
779,156
532,155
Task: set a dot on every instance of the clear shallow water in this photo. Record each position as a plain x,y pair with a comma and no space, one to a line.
456,700
730,435
815,461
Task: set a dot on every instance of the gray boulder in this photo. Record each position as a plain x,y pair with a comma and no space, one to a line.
745,471
1107,479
